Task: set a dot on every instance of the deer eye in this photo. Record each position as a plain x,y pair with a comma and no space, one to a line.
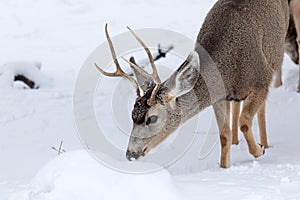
151,120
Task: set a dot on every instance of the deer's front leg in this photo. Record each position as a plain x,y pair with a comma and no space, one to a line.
250,107
221,112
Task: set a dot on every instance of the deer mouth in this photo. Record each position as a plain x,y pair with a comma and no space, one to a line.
130,155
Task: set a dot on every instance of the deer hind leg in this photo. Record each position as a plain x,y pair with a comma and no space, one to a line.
298,50
299,80
298,42
295,10
278,78
235,122
250,107
299,66
261,115
221,112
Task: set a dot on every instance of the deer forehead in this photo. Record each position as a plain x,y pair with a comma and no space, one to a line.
141,108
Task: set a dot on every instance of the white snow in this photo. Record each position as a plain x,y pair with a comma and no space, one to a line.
29,69
60,34
77,175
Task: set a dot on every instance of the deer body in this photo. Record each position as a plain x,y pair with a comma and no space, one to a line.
245,39
292,46
292,49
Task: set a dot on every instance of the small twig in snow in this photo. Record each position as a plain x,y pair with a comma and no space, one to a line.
60,150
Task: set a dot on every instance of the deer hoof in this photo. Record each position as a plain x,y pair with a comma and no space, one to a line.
263,148
258,152
277,84
235,142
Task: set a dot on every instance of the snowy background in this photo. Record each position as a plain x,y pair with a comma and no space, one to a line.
60,34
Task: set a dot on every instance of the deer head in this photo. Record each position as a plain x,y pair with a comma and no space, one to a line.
163,106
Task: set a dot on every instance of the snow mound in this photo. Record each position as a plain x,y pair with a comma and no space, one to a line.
75,175
30,69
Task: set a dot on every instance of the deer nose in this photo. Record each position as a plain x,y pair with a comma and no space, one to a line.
130,155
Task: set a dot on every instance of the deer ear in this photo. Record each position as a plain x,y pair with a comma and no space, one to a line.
143,82
185,78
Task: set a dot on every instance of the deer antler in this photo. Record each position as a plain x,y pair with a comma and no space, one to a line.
153,75
119,72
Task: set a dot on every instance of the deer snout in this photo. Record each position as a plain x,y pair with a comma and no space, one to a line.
131,154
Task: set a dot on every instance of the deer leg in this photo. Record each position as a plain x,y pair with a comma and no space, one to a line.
235,122
250,107
221,112
295,10
228,111
298,42
299,80
278,78
261,115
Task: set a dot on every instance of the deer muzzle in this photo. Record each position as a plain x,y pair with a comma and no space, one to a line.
130,155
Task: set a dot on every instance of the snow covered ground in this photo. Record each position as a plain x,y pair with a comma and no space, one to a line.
60,34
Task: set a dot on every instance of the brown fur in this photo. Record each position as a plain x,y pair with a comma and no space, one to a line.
261,124
246,61
245,39
292,47
235,120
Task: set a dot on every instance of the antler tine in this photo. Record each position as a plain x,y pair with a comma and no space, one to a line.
112,50
151,101
119,72
154,70
139,69
154,74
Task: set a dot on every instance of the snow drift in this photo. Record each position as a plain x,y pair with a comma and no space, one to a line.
77,176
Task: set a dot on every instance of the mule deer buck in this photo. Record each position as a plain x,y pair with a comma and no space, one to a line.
245,39
292,46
